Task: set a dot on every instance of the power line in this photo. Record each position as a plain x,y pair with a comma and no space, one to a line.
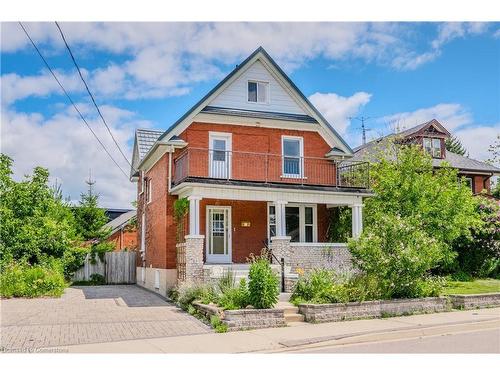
71,100
90,94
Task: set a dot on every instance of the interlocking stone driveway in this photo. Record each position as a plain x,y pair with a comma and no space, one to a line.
89,315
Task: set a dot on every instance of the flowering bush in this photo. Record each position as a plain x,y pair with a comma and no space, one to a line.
479,253
398,255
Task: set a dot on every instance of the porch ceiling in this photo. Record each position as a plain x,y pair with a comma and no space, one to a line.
270,192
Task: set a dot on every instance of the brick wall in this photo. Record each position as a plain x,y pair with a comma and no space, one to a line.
245,240
124,239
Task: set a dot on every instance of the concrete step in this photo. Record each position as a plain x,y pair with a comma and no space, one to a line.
290,318
287,307
284,297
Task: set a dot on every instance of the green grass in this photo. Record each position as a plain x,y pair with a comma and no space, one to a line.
472,287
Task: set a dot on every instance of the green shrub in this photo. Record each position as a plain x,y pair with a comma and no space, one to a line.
227,281
263,284
188,294
319,286
397,254
479,252
22,280
217,324
73,259
235,298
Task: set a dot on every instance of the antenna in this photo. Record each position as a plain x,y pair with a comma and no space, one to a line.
363,128
90,182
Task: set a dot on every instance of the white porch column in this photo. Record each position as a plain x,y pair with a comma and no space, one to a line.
280,218
194,215
357,219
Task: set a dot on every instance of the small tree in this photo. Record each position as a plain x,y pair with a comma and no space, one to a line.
453,144
90,219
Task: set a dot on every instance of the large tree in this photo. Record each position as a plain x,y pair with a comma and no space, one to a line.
90,218
34,222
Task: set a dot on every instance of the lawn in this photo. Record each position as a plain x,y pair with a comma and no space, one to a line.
472,287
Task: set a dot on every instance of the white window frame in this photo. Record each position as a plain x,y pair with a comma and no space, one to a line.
302,221
301,156
432,150
228,137
268,91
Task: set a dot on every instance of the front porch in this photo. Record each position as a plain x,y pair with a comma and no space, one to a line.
227,225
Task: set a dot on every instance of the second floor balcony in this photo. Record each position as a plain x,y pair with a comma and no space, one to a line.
207,164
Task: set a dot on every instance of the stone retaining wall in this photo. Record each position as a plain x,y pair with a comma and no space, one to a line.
371,309
244,319
472,301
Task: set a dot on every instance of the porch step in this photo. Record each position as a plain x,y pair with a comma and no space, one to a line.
294,318
284,297
291,312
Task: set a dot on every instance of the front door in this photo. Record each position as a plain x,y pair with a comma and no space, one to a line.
220,155
218,234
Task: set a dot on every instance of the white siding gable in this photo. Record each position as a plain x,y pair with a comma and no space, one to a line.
236,96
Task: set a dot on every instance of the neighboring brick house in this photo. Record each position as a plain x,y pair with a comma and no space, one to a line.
431,136
259,165
123,231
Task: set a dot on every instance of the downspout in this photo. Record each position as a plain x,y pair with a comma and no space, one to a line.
169,170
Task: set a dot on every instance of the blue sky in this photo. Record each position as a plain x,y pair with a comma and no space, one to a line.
148,75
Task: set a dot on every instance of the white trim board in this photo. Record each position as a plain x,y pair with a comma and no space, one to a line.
245,193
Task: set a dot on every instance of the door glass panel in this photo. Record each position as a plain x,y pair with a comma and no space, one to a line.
293,223
272,221
218,233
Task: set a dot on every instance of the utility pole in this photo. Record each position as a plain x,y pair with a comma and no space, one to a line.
363,128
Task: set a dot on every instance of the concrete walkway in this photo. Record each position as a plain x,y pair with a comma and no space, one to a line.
303,335
91,314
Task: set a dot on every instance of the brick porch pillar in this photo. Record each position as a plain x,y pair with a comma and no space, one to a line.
194,257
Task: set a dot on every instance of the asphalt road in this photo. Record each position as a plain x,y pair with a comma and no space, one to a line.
485,341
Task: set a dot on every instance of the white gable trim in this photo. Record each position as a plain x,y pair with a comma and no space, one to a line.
327,133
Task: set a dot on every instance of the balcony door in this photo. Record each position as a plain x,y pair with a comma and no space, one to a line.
218,234
219,155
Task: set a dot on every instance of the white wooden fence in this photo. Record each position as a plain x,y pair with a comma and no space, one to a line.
117,268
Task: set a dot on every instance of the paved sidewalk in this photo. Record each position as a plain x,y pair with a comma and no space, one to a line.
303,335
90,315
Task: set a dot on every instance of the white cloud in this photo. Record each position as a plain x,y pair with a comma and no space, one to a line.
66,147
15,87
477,139
451,115
166,59
337,109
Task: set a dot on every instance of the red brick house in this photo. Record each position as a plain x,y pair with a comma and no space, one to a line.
431,136
259,165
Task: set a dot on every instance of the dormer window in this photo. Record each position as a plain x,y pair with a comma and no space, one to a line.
258,92
433,147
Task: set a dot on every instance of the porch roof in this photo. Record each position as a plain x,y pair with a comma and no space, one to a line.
270,192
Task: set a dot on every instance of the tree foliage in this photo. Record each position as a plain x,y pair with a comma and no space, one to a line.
432,200
479,253
89,218
34,224
453,144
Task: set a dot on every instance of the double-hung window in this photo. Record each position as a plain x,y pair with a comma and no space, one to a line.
433,147
293,156
258,92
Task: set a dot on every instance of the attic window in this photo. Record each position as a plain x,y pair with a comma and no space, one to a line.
433,147
258,92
